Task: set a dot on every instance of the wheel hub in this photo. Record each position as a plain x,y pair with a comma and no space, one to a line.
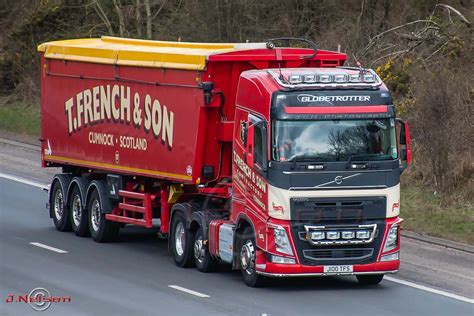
76,210
180,239
58,205
199,250
95,215
247,257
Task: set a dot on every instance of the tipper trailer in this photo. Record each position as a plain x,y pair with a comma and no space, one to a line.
279,161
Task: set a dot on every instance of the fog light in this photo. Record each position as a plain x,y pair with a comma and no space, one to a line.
348,235
363,234
318,235
391,257
282,260
333,235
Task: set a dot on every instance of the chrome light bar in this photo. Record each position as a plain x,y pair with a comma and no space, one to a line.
348,235
315,80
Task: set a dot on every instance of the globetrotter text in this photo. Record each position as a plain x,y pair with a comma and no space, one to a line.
107,103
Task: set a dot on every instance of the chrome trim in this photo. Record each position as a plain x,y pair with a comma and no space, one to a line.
308,256
332,85
335,171
309,228
340,187
288,275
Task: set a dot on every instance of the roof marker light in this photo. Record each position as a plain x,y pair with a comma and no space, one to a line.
325,78
340,78
309,79
354,78
295,79
369,78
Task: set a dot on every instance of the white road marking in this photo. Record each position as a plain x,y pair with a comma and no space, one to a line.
37,244
24,181
431,290
183,289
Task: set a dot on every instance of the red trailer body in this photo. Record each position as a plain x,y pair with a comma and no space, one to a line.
278,161
135,117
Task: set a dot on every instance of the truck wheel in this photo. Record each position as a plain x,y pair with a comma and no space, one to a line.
372,279
202,257
59,209
182,240
247,257
101,229
79,220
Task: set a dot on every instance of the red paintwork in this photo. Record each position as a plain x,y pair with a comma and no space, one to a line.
289,269
133,203
336,110
199,129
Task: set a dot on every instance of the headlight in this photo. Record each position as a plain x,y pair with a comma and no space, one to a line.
392,239
282,243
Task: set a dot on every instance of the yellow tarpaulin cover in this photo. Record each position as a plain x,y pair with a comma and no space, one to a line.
143,53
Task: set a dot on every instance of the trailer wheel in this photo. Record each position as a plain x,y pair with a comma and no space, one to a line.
202,257
79,219
101,229
372,279
247,257
181,240
59,209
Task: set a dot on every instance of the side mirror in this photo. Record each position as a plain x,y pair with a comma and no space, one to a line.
404,143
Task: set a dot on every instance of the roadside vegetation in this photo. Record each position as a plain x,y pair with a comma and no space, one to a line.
422,49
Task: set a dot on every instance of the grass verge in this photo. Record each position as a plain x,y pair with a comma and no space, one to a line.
425,213
20,118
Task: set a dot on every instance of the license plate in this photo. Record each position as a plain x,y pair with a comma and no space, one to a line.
338,269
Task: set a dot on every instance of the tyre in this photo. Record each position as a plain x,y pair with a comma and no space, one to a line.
79,219
59,209
181,242
371,279
247,257
202,257
101,229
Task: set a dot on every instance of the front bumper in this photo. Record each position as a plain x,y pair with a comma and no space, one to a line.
298,270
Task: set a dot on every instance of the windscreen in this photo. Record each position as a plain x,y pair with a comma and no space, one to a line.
334,140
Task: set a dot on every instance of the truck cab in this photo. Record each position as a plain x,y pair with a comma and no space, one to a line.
317,158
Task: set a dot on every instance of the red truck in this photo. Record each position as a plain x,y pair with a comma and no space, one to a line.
278,161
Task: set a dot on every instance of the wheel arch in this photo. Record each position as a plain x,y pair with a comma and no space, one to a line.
82,183
101,188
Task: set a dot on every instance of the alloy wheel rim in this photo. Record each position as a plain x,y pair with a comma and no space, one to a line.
180,239
58,205
95,215
199,249
247,257
77,210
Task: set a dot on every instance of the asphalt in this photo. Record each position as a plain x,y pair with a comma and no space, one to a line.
132,276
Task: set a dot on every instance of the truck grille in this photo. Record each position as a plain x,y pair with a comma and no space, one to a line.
339,252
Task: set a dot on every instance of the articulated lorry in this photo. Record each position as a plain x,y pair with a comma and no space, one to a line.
278,161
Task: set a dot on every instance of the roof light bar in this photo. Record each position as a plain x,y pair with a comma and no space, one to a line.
366,79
